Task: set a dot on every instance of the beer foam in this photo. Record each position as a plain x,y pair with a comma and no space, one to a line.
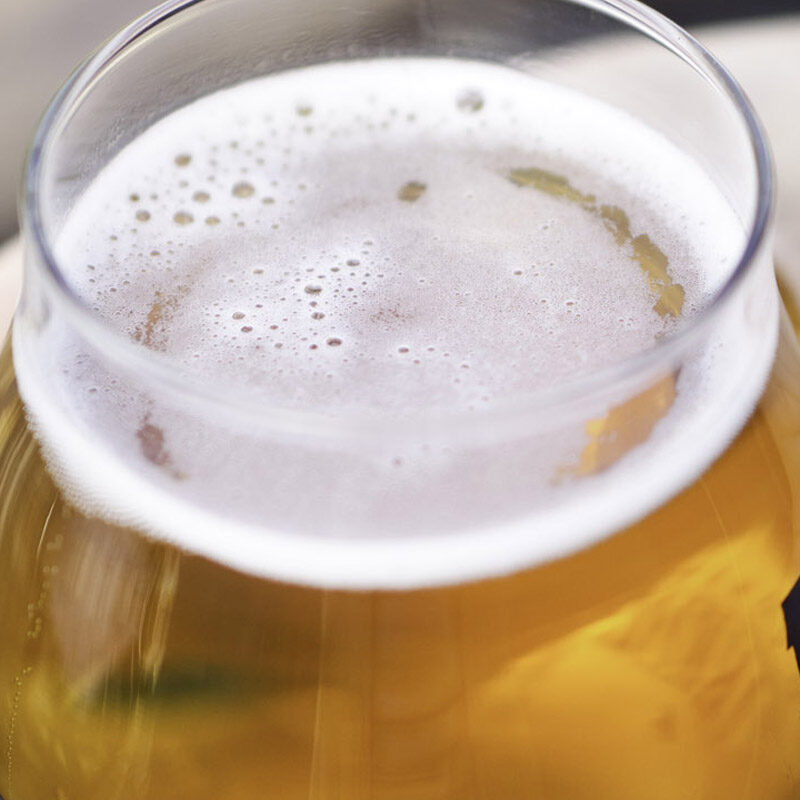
383,240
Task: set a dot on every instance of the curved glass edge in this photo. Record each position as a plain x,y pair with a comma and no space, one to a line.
161,370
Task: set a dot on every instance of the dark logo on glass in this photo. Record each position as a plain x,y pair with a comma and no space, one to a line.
791,614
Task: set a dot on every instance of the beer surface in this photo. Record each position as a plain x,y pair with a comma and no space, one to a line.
390,241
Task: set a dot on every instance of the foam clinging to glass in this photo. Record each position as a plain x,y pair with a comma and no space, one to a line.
383,238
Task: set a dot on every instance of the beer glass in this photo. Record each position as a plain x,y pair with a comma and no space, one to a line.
220,577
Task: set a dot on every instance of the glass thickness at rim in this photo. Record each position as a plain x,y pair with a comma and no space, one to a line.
160,369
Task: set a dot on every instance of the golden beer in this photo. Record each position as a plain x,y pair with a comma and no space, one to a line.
654,664
369,431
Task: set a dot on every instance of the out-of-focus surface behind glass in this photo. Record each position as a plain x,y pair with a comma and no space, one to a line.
41,42
764,55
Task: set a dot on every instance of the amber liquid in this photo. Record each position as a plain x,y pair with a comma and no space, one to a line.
653,665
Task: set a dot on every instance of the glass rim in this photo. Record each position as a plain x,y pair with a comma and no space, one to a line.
161,368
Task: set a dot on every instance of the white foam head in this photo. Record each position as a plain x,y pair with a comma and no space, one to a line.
387,240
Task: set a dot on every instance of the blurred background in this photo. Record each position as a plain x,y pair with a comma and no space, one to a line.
698,12
41,41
